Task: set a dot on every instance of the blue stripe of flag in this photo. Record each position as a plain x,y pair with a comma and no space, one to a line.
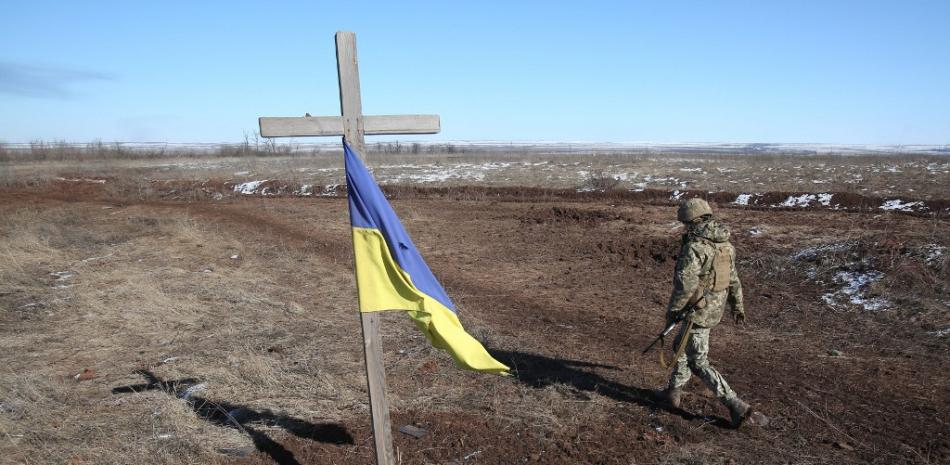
370,209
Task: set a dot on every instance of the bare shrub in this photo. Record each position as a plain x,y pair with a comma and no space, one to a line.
599,181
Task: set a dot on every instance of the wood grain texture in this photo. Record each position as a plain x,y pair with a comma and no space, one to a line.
301,126
375,125
376,379
351,107
351,110
333,125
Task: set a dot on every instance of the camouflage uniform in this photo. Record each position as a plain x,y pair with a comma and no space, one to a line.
703,237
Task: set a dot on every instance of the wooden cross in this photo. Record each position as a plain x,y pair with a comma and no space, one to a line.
352,125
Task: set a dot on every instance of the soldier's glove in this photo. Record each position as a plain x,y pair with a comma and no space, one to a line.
739,317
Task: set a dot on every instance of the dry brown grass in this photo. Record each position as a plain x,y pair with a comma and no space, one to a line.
273,337
270,332
158,293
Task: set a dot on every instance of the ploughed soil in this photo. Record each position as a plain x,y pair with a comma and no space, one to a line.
568,292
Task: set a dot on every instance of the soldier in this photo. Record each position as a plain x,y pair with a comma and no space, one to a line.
705,280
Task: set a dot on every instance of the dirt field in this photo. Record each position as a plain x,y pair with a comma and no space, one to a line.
162,327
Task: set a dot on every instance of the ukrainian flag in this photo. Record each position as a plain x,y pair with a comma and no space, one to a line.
391,275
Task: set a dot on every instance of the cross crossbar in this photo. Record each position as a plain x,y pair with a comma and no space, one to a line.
333,125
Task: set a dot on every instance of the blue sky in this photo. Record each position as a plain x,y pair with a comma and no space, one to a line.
862,72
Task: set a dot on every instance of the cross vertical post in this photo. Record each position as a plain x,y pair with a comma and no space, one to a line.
352,124
351,109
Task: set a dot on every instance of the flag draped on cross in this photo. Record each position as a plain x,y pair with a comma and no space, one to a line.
391,274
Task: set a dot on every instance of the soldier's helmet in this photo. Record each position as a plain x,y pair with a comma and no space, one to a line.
691,209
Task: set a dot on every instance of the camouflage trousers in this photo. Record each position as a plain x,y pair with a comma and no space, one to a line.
695,361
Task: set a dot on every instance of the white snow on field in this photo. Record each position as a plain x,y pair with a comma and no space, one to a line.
938,168
692,170
934,252
798,201
941,332
805,200
330,190
428,176
676,195
743,199
900,205
305,190
248,188
855,287
439,173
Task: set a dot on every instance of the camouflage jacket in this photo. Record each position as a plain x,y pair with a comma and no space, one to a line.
693,267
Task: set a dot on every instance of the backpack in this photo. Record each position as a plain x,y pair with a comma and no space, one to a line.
722,266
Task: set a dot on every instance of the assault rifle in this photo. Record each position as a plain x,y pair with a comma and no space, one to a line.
688,309
682,316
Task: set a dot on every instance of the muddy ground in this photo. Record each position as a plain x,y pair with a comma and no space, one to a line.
252,300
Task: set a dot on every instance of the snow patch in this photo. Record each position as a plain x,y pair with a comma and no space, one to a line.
855,288
743,199
439,173
676,195
900,205
934,252
798,201
248,188
330,190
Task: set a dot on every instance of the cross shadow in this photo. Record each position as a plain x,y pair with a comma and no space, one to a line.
539,371
238,416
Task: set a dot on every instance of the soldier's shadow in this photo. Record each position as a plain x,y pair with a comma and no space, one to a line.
539,371
238,416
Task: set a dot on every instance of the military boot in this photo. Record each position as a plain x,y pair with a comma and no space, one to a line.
739,411
672,396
